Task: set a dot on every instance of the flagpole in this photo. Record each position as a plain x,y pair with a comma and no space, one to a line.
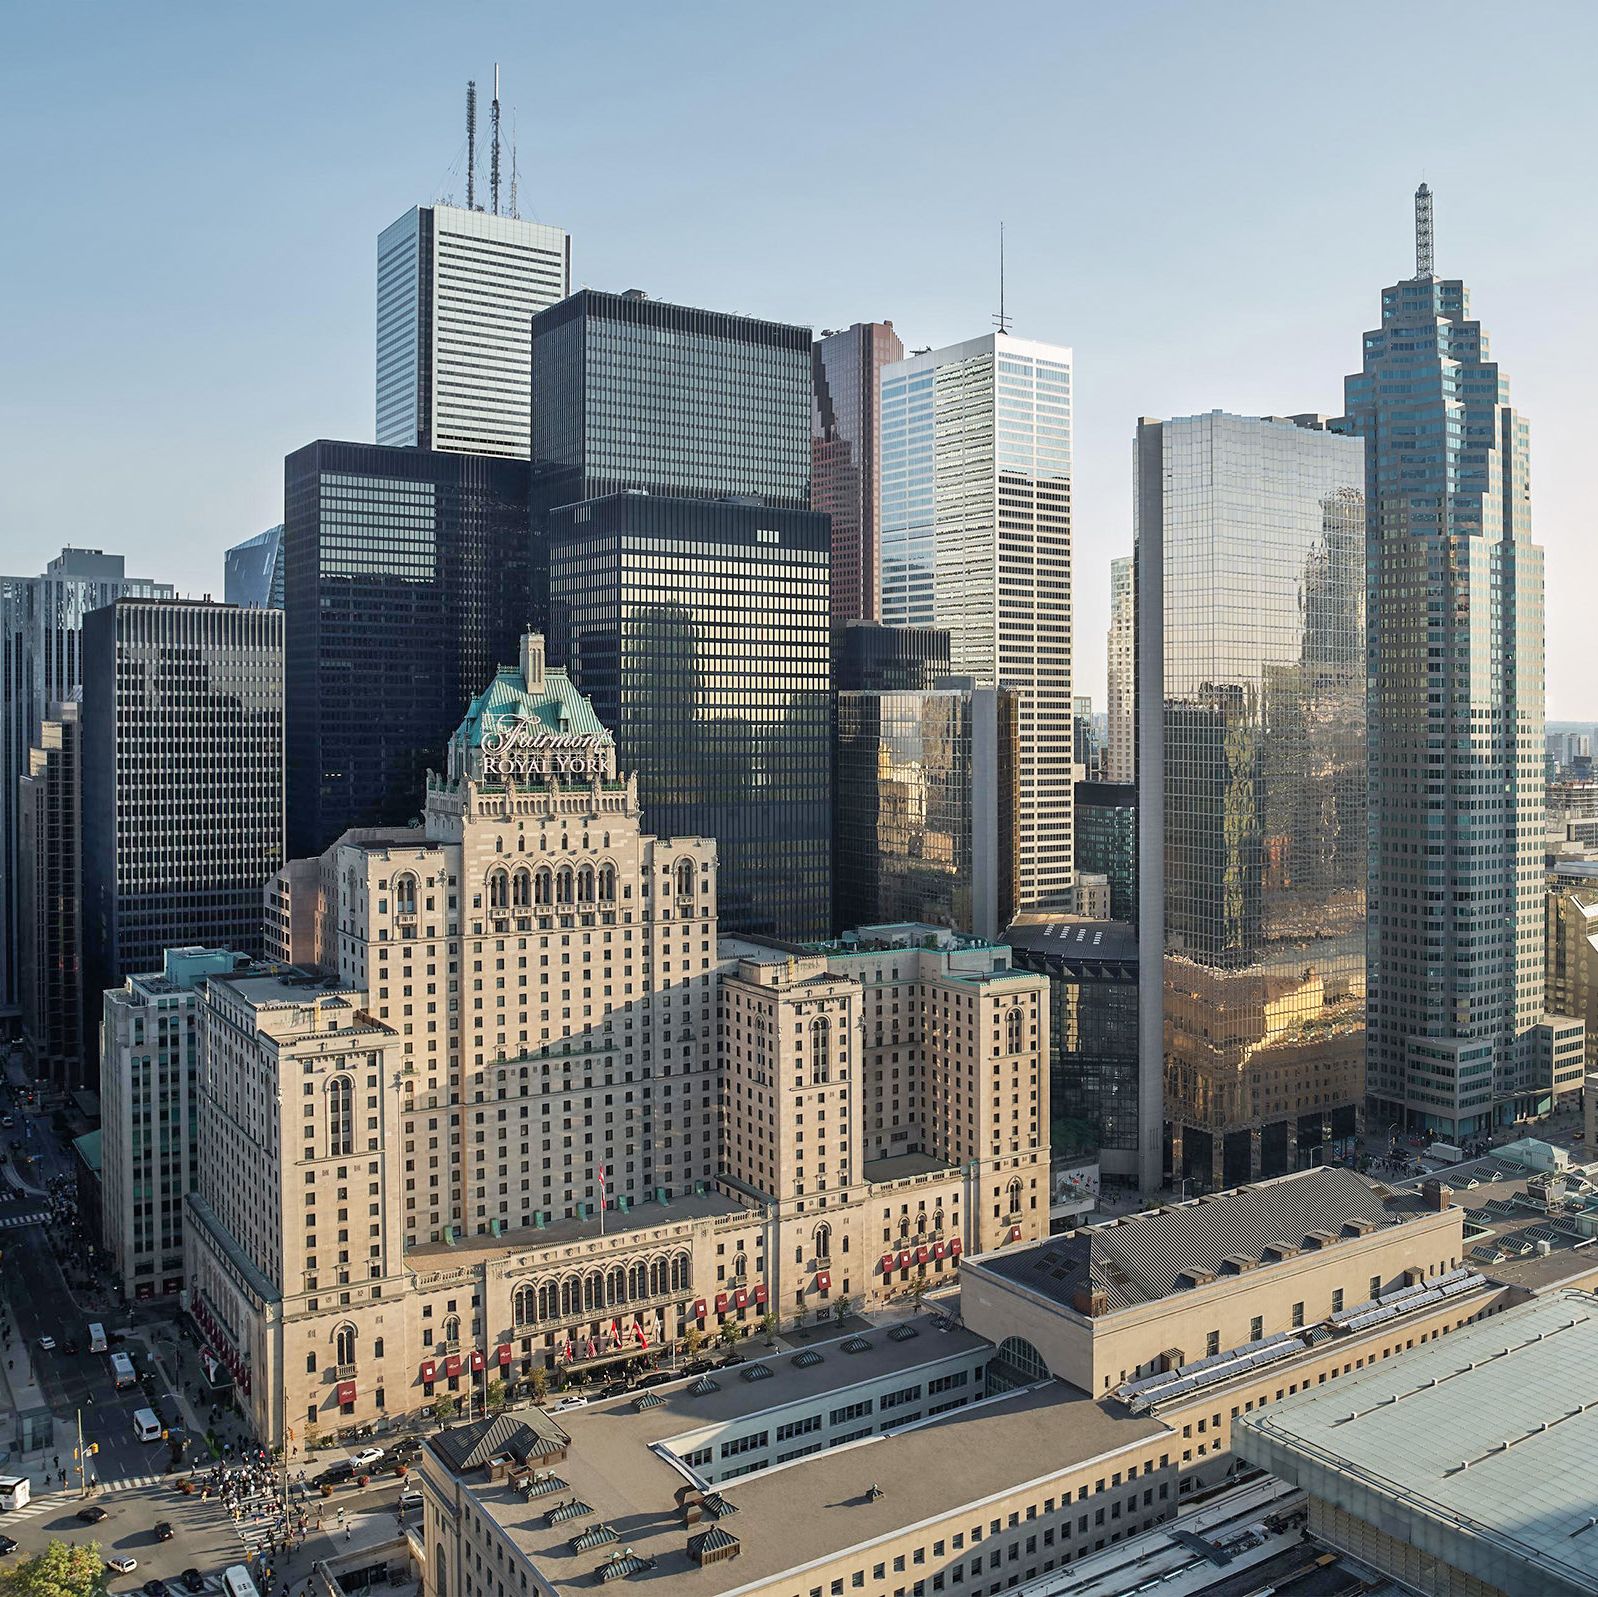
601,1172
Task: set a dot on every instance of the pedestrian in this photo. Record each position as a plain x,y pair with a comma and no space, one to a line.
349,1530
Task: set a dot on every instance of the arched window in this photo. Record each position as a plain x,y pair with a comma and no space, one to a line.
452,1329
1013,1193
740,1265
405,894
440,1578
340,1116
658,1278
498,890
548,1300
522,1304
820,1051
521,889
681,1272
344,1344
685,878
571,1297
637,1280
937,1221
1012,1032
823,1241
563,885
585,884
593,1290
607,884
616,1286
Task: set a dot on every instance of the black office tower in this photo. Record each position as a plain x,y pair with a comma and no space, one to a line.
182,772
405,587
700,631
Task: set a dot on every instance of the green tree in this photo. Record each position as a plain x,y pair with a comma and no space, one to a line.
63,1569
495,1396
768,1324
538,1383
918,1289
728,1334
693,1339
843,1308
444,1409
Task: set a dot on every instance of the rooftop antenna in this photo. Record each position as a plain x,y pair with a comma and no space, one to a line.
493,159
513,210
1001,320
471,145
1423,232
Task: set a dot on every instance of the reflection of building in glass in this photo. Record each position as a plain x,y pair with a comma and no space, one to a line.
976,538
845,436
924,812
405,586
1106,841
1093,1039
870,658
700,631
1456,720
1250,586
1120,745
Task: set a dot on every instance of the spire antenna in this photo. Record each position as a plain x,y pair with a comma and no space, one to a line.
1423,232
493,159
471,145
1001,321
513,211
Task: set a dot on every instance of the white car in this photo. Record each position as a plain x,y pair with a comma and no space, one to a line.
122,1566
570,1402
47,1344
367,1457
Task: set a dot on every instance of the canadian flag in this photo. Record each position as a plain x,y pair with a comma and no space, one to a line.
570,1352
592,1349
638,1331
599,1170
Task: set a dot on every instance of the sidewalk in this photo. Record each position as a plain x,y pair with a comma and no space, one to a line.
23,1395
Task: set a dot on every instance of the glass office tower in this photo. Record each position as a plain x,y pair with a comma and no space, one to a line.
1456,718
253,571
405,588
976,538
1250,588
845,457
700,630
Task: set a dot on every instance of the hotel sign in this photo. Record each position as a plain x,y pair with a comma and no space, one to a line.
518,747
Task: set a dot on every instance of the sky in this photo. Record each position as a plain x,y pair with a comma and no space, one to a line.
1203,200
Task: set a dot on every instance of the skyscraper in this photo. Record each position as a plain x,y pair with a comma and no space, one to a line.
182,780
40,622
700,631
1456,714
1120,756
1251,764
405,585
456,290
845,470
976,537
253,571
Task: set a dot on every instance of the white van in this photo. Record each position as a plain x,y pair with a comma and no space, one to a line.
147,1425
96,1337
122,1372
15,1491
236,1582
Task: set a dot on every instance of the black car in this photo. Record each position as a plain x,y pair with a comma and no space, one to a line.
334,1474
71,1346
192,1580
155,1588
7,1545
616,1389
730,1360
699,1367
163,1531
404,1452
92,1515
656,1378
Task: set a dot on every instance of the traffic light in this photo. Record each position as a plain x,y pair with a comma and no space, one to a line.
76,1453
94,1447
164,1435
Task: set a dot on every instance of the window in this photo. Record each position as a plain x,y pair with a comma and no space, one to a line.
1256,1329
344,1341
823,1241
820,1051
524,1304
1298,1316
1337,1300
1212,1343
1014,1191
1012,1032
340,1116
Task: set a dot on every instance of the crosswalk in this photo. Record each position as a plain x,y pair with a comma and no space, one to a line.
11,1220
59,1498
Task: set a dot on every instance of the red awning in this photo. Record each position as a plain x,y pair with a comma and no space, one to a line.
922,1255
887,1264
346,1391
904,1260
476,1357
760,1293
698,1309
721,1303
823,1281
740,1299
937,1250
429,1371
452,1365
504,1353
1015,1233
954,1247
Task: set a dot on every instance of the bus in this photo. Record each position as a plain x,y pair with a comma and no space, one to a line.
122,1371
236,1582
96,1337
147,1425
14,1491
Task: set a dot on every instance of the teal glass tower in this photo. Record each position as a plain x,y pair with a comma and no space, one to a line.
1455,707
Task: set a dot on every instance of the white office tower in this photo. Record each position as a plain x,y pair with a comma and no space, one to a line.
976,538
1120,760
456,293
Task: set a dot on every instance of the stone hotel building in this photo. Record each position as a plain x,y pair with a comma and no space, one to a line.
507,1100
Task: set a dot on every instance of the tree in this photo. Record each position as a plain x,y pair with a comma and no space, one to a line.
538,1383
768,1324
728,1334
693,1339
63,1569
494,1398
444,1409
918,1289
843,1308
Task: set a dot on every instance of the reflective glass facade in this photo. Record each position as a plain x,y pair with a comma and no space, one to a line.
868,658
976,538
632,393
845,441
405,580
924,814
1106,841
701,633
1251,643
1456,719
253,571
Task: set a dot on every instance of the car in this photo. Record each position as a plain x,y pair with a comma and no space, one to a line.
334,1474
155,1588
163,1530
8,1544
8,1121
122,1565
47,1344
616,1389
192,1580
404,1452
569,1403
70,1347
699,1367
656,1378
92,1515
731,1360
364,1458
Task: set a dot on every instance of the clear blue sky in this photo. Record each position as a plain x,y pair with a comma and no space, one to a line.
1203,199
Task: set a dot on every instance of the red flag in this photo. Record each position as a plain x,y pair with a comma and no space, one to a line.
599,1170
638,1331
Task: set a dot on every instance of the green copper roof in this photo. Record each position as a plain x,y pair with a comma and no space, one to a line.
560,707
